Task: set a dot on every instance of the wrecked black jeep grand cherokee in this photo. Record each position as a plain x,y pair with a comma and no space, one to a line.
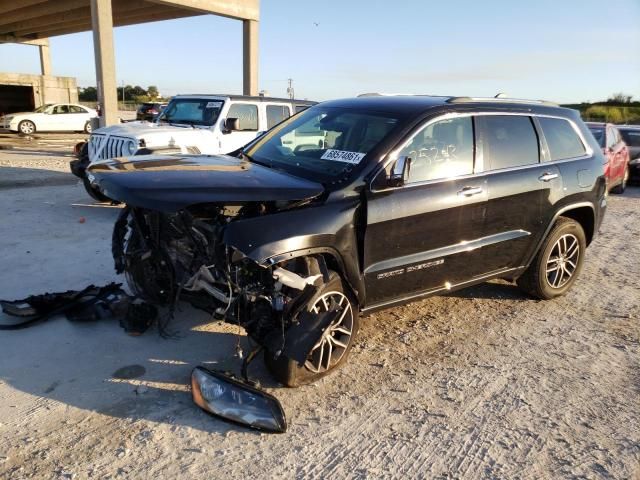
356,205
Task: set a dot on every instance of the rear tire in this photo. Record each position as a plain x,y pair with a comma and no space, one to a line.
330,353
620,188
27,127
87,127
558,263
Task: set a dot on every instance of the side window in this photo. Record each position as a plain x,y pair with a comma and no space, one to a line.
441,150
76,109
562,139
508,141
631,137
276,114
59,109
246,113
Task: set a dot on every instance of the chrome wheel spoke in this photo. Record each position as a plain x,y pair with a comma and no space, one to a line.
337,342
563,260
330,349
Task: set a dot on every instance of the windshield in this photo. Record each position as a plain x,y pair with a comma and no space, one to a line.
42,108
322,143
598,133
631,137
192,111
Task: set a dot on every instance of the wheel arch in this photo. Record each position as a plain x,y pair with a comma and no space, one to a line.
585,216
584,213
333,260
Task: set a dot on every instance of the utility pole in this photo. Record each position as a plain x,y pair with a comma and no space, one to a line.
290,89
122,93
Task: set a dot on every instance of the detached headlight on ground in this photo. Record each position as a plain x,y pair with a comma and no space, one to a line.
236,401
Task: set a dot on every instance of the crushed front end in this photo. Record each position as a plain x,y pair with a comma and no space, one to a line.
168,257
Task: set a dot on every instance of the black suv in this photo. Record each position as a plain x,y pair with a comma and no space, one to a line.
356,205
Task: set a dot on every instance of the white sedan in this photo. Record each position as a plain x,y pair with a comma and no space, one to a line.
57,117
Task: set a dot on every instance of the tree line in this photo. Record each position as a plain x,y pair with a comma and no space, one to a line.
127,93
618,108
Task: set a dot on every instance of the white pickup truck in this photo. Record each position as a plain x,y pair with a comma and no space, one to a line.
207,124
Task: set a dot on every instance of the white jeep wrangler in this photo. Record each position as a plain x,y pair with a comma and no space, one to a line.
207,124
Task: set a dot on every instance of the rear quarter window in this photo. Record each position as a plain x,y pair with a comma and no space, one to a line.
562,140
508,141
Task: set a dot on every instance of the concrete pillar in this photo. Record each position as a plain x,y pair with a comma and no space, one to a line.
250,57
102,23
45,59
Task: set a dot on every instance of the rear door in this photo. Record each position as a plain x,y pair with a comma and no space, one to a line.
276,113
521,188
420,236
78,117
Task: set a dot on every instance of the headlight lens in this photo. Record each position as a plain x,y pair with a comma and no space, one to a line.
238,402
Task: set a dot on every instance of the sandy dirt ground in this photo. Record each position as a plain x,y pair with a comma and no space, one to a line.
482,383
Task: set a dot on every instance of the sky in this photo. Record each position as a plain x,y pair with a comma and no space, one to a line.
561,50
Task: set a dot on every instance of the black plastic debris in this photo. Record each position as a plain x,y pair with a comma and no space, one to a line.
139,317
89,303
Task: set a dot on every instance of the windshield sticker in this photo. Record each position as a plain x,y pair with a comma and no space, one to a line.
214,104
343,156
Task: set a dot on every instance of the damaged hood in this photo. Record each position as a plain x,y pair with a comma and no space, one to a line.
169,183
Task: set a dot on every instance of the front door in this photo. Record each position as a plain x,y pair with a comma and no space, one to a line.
421,236
247,114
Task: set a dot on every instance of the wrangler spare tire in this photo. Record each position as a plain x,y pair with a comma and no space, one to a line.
332,350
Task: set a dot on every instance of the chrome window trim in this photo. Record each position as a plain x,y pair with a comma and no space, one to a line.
392,156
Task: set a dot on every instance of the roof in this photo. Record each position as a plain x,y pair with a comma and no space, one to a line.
409,105
244,97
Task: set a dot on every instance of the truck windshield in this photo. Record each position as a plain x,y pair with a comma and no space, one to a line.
322,143
191,111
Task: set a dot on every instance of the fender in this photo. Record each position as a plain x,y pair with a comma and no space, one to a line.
327,229
564,209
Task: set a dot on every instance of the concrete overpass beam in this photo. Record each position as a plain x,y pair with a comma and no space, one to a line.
45,59
250,57
102,21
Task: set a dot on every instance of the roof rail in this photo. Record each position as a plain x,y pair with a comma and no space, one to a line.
500,100
379,94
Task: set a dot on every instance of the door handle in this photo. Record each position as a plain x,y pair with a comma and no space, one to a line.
547,176
469,191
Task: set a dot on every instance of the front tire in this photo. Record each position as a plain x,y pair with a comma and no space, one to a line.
558,263
27,127
333,348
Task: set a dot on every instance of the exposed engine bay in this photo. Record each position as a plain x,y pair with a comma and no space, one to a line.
168,257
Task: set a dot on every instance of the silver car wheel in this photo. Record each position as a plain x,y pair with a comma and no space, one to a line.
335,340
27,127
562,261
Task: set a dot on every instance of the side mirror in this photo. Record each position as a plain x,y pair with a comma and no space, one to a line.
231,124
400,172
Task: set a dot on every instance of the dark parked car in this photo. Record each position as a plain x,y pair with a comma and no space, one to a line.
357,205
616,154
631,136
148,111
